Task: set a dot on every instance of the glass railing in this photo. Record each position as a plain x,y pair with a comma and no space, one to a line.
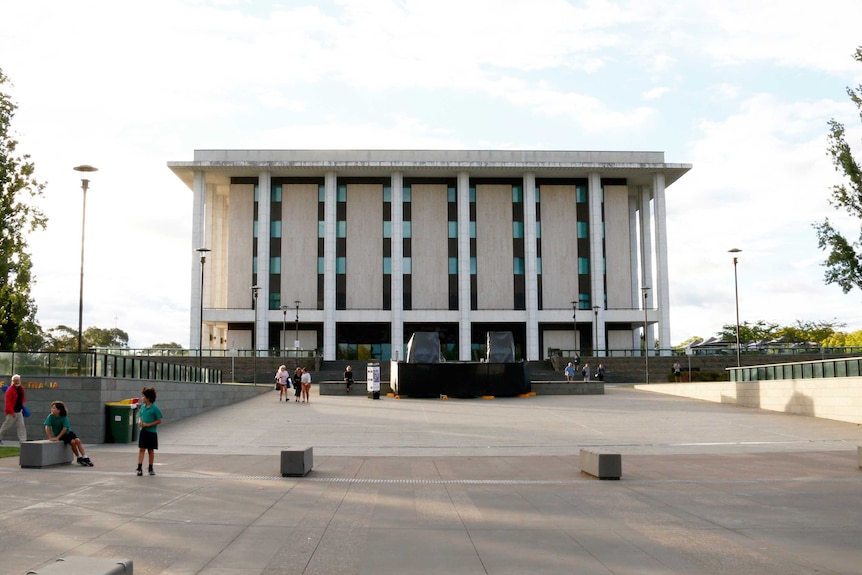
101,364
825,368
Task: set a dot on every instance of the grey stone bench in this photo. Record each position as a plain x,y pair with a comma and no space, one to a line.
601,464
297,461
86,566
44,453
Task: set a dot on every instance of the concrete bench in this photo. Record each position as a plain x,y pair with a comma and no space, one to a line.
296,462
43,453
601,464
86,566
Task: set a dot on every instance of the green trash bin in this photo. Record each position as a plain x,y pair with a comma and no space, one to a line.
120,424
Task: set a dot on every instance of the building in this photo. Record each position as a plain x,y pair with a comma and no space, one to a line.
351,251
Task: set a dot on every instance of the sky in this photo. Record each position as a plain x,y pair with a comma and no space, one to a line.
740,90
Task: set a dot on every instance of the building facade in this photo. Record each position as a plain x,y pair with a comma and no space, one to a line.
349,252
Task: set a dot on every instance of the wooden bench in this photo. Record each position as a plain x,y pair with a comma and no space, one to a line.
296,462
601,464
44,453
86,566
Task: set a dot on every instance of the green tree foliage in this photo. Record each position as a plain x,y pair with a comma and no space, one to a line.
841,339
799,332
844,262
18,217
97,337
65,338
749,332
170,345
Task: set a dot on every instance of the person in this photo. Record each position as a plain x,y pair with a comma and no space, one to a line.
348,377
586,372
283,382
148,438
569,372
306,384
297,383
58,428
15,400
600,372
577,360
677,371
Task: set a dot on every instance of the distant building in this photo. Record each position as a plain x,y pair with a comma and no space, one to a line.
378,244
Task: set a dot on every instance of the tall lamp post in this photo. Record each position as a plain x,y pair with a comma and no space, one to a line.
575,324
296,335
736,297
284,309
203,253
254,290
85,184
596,331
645,291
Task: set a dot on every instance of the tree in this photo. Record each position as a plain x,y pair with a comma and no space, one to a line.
18,217
844,262
97,337
749,332
809,331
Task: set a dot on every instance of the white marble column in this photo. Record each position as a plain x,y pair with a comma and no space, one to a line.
329,312
264,202
647,263
597,259
531,267
464,311
198,239
397,250
662,281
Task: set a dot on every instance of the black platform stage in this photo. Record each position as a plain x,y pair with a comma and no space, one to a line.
459,379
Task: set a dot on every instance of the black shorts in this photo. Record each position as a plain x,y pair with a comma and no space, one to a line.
68,437
148,439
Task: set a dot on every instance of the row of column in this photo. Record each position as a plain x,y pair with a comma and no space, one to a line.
642,245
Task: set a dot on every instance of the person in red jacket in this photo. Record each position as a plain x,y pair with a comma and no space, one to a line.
14,410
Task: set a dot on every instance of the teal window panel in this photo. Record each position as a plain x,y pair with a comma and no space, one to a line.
387,229
407,229
274,300
518,230
387,193
472,229
407,195
321,229
517,194
341,192
254,229
254,265
583,266
538,229
453,266
321,266
341,229
584,301
518,264
341,265
452,194
275,194
581,194
275,265
453,229
473,266
257,192
387,265
583,230
538,194
473,194
275,229
407,266
321,193
539,266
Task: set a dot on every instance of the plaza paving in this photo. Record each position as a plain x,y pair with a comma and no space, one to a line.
458,486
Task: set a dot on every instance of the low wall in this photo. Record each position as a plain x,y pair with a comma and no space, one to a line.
568,388
85,398
838,398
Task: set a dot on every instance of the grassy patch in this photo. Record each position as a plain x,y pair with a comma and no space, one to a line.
9,451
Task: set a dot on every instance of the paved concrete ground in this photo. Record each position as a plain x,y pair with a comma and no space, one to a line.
456,487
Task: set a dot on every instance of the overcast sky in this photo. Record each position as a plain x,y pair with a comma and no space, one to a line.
741,90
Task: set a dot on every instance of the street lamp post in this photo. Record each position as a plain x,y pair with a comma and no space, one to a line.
645,291
284,309
85,184
596,331
575,324
254,290
736,297
203,253
296,335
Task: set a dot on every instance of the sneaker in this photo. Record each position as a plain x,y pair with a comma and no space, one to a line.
87,462
140,472
81,461
151,472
